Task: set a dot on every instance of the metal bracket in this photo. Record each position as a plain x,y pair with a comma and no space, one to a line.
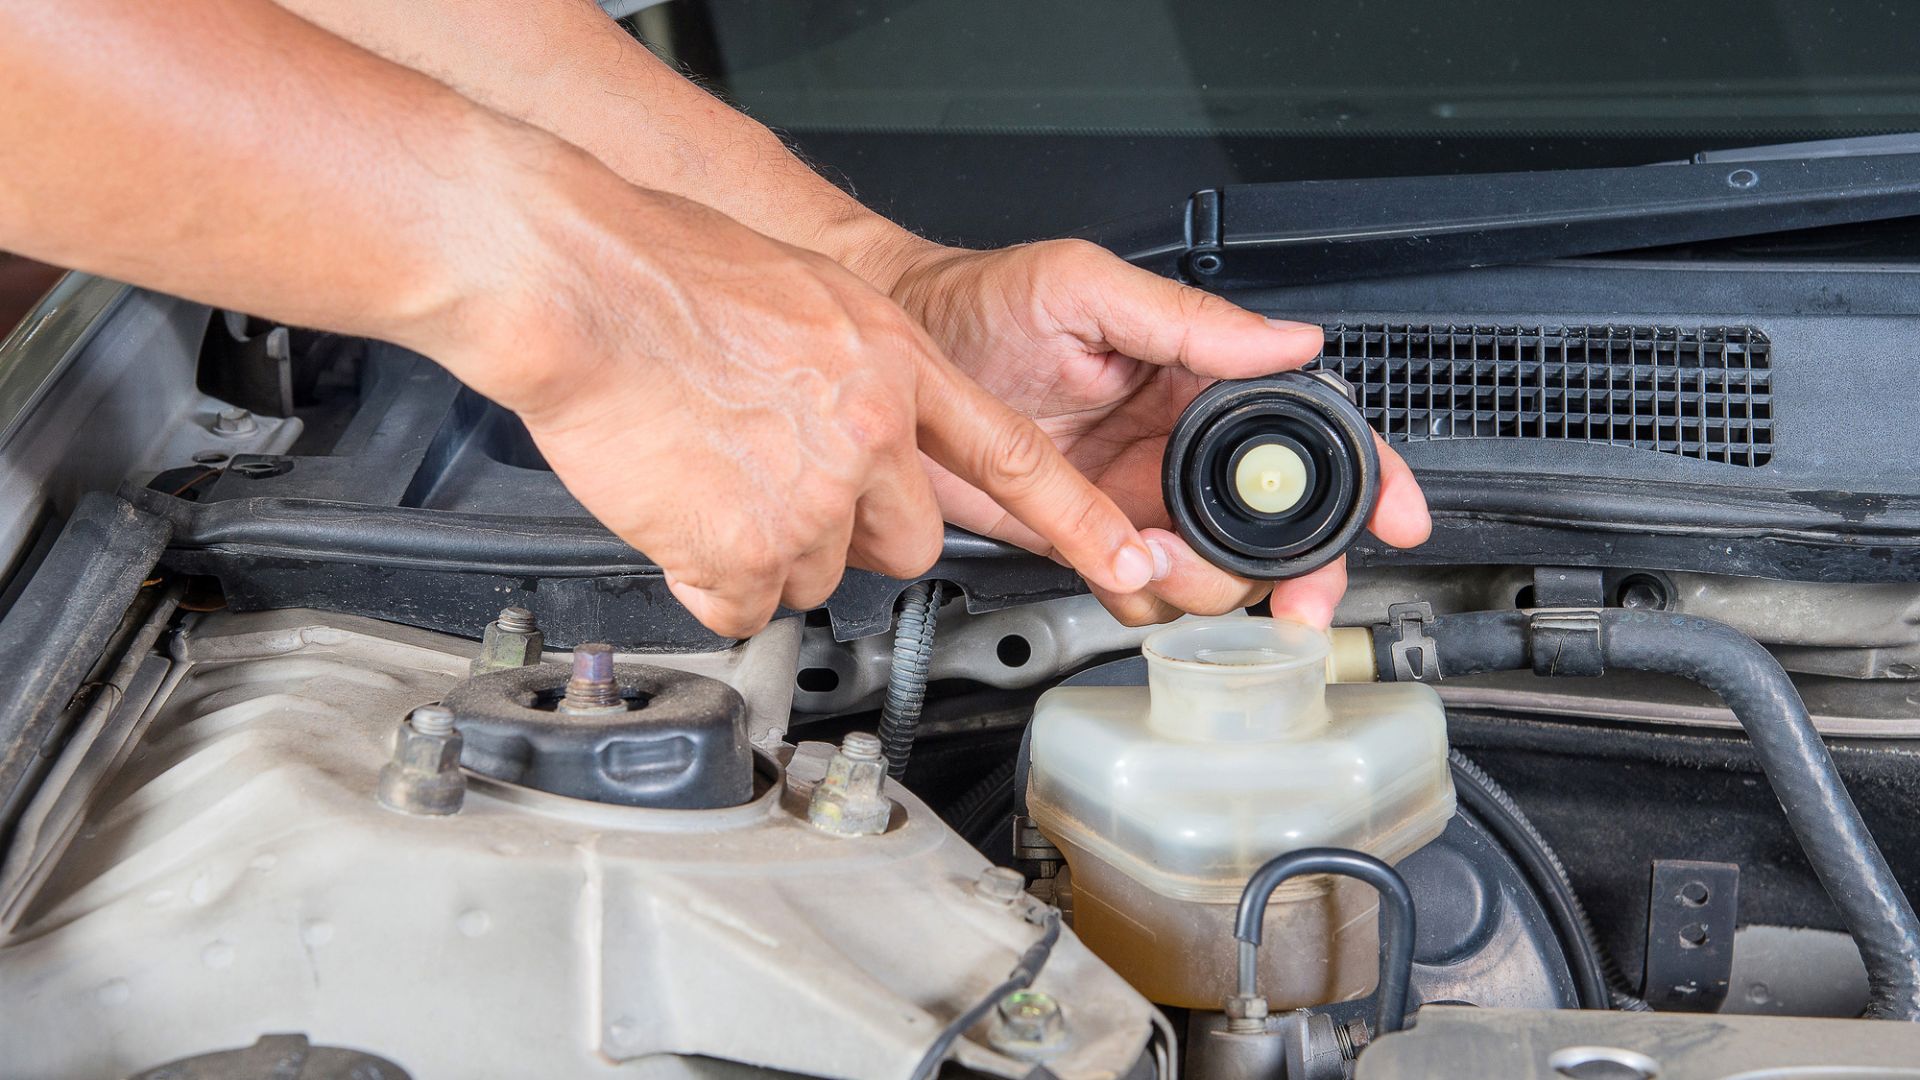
1033,851
1415,657
1564,587
1336,381
1690,921
1567,642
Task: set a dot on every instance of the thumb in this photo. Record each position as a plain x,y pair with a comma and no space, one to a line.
1110,303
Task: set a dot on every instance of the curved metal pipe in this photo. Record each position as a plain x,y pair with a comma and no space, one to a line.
1396,921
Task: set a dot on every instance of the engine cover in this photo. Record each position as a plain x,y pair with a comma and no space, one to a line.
231,875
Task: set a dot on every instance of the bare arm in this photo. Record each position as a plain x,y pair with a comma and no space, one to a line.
210,104
1101,354
563,65
227,151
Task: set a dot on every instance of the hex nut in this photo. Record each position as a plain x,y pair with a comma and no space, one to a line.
1246,1014
848,801
234,422
511,641
1028,1025
1000,885
423,776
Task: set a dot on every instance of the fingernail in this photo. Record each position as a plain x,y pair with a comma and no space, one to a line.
1162,561
1288,327
1132,568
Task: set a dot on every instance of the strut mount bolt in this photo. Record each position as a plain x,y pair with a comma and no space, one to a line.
861,746
848,801
592,688
513,640
435,720
423,776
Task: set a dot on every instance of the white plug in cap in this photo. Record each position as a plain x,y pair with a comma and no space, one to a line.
1271,478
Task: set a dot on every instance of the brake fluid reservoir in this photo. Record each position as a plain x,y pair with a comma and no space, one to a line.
1165,798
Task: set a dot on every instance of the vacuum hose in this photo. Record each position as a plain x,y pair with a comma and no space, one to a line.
1396,921
907,680
1755,687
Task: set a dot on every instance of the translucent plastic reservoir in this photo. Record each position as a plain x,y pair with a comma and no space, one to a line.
1164,799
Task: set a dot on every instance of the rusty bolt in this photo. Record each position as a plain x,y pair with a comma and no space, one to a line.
423,776
513,640
592,687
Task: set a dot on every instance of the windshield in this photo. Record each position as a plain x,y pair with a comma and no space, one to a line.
998,120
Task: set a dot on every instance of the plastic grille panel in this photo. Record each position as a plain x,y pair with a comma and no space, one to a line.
1700,393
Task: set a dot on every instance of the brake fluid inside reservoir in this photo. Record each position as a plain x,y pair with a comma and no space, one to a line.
1164,798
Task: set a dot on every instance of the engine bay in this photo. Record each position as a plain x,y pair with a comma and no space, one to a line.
339,734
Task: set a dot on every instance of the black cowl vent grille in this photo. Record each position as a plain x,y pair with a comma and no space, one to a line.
1700,393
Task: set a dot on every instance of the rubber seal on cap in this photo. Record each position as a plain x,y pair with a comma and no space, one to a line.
1233,423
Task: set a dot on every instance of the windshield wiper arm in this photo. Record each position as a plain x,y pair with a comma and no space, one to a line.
1906,142
1251,235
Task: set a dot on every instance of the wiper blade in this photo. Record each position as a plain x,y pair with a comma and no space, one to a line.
1252,235
1906,142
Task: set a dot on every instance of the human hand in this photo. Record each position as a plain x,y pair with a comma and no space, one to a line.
1104,357
745,412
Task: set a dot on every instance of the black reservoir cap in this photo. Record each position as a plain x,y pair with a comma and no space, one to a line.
1271,478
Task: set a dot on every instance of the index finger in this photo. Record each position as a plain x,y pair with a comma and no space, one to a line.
1006,455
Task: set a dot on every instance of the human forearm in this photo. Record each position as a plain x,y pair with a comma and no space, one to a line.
562,65
177,145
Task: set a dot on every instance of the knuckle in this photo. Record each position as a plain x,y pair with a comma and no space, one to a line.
1073,254
1216,605
1016,457
817,507
925,550
757,565
1084,513
1193,306
812,594
911,556
875,422
744,622
1134,610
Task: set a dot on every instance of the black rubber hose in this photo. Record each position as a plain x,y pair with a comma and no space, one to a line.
1470,644
1396,920
1757,690
907,680
1490,805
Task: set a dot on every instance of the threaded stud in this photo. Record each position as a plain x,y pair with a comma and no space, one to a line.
592,686
517,620
432,720
861,746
